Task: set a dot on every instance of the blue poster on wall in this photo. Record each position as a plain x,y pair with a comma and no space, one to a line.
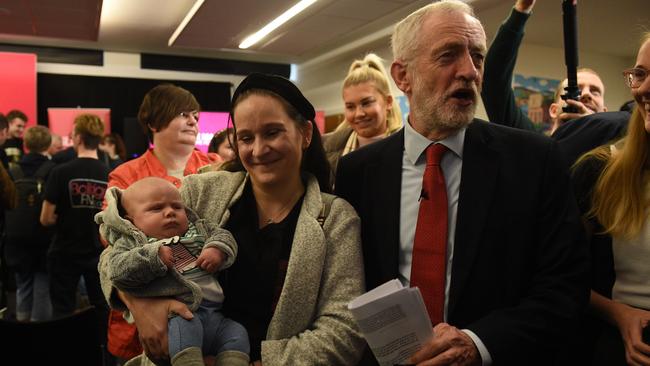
404,106
534,96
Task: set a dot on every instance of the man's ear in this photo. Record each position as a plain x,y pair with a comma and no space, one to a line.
554,110
400,76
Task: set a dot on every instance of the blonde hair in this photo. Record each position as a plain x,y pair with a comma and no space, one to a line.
405,40
371,69
618,200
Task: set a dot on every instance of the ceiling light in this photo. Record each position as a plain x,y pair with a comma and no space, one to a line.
188,17
292,12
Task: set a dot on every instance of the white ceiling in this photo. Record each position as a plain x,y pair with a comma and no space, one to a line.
605,26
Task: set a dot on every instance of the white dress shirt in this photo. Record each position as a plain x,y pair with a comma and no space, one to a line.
413,165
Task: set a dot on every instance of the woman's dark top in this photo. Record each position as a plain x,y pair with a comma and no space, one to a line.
584,178
252,285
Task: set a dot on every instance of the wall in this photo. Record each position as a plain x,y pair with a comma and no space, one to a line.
117,64
322,82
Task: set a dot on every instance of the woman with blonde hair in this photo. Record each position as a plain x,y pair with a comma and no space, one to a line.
371,112
613,189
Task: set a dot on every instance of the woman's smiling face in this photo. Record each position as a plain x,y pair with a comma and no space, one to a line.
270,144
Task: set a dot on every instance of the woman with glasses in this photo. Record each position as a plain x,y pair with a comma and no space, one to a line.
169,116
612,184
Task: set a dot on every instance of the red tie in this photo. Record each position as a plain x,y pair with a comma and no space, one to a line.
428,267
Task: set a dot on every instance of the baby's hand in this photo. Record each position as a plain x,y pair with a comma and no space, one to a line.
166,256
210,259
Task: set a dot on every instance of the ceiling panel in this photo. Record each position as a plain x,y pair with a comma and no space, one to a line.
224,24
607,26
70,19
366,10
311,33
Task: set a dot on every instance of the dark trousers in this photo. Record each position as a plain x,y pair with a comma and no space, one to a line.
65,272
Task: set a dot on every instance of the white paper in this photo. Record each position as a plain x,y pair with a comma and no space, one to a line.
394,321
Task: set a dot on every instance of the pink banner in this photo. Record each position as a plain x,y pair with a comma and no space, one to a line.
209,124
61,120
18,90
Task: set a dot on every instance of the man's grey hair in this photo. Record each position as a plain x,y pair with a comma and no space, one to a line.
406,35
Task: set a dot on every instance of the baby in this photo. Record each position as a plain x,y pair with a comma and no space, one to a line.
160,248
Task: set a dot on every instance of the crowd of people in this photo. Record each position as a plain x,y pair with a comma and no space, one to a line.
529,247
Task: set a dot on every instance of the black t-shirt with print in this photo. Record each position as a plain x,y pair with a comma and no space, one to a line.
77,189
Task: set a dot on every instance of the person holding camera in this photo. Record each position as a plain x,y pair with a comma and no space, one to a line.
498,96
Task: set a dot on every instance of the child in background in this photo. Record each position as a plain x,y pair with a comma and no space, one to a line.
160,248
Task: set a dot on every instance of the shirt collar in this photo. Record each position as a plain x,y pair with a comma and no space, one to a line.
415,143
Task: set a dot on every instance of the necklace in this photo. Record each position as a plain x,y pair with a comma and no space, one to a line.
274,218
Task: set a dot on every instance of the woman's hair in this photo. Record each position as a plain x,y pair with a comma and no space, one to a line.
116,139
371,69
37,139
90,128
618,200
219,138
162,104
314,160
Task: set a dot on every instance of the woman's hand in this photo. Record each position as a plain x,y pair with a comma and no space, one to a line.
151,316
630,322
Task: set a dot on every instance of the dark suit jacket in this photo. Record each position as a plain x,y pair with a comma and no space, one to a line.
578,136
520,268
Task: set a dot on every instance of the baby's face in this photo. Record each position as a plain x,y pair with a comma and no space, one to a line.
158,211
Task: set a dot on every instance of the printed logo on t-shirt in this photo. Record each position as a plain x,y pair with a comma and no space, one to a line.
86,193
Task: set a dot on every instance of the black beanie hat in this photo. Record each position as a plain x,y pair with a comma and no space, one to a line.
280,86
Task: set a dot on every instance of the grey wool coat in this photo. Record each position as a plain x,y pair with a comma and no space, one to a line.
133,265
311,324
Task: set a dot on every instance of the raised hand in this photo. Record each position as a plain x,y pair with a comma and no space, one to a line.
524,6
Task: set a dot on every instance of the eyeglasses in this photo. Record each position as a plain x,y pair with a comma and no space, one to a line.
635,77
194,114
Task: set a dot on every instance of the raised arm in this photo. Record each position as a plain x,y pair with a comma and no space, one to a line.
497,94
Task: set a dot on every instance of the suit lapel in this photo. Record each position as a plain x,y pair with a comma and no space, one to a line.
384,183
478,180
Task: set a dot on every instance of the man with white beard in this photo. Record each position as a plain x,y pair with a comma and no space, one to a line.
488,227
